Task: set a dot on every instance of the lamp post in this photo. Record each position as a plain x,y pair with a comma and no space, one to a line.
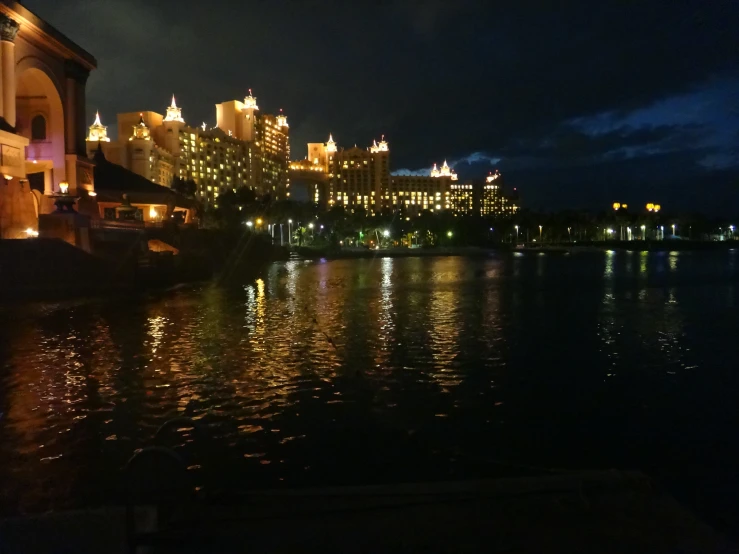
289,231
516,234
569,233
644,232
673,229
540,235
312,232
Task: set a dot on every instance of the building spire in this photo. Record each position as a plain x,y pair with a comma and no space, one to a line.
141,131
174,113
282,119
330,145
381,147
98,131
250,102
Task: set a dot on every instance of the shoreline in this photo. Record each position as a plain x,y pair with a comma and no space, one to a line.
472,251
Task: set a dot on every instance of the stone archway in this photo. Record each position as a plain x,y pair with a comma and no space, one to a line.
38,96
42,119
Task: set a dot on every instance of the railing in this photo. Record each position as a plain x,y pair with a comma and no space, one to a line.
118,224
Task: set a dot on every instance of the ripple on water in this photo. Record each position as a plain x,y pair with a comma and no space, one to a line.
348,371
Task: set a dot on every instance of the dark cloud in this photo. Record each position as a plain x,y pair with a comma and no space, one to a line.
440,79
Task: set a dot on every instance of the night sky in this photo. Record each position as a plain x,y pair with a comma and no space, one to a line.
578,103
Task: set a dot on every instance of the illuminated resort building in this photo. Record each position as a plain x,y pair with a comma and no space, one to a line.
493,200
361,178
244,149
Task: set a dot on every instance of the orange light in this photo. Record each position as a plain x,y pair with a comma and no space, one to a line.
657,207
650,207
616,205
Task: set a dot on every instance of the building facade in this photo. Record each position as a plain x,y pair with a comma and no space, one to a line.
493,200
43,78
244,149
361,178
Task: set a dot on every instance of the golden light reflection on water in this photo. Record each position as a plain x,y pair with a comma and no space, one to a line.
444,324
270,368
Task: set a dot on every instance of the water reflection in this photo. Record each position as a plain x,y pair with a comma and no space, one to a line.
342,371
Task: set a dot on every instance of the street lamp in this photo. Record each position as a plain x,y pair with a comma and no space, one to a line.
449,234
650,207
644,232
516,234
249,224
616,206
289,231
673,229
540,233
386,233
662,230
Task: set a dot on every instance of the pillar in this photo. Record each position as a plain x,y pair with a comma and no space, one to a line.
74,108
48,183
8,31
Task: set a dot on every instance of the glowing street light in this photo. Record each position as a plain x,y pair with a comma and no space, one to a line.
449,234
259,221
657,208
386,233
310,226
650,207
673,229
249,224
644,232
64,187
516,226
616,206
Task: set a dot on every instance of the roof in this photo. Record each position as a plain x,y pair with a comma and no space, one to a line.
113,180
26,17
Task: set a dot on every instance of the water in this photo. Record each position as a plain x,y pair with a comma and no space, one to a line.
362,371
